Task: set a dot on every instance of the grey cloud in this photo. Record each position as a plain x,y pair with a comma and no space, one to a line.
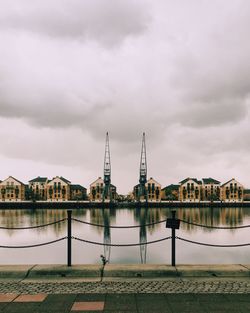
213,113
180,72
106,21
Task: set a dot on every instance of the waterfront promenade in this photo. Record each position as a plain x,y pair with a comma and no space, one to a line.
125,288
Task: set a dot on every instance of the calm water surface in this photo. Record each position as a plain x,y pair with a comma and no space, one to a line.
83,253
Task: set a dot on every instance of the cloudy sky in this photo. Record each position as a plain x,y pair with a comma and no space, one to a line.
70,70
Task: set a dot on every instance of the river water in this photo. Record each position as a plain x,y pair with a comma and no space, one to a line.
160,253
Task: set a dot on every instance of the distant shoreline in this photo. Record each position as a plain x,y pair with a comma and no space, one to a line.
96,205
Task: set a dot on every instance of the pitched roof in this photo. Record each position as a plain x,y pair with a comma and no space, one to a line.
210,181
14,179
99,178
171,187
194,179
38,179
75,186
62,178
151,178
229,182
65,180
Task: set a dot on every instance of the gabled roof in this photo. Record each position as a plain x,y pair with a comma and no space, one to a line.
62,178
65,180
99,178
210,181
171,187
151,178
38,179
74,187
14,179
229,182
194,179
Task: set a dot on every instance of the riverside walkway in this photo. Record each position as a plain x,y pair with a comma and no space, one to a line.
125,288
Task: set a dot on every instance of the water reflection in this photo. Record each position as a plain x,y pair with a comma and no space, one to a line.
129,216
106,234
142,214
212,217
107,217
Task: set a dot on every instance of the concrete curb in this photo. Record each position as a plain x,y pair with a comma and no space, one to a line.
123,270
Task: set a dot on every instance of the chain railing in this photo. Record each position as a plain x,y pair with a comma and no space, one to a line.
173,223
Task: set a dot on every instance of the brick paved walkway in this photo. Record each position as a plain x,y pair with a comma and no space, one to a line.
131,286
121,303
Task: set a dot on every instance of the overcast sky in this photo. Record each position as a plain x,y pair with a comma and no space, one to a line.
70,70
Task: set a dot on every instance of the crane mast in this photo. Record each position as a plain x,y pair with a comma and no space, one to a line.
107,172
142,193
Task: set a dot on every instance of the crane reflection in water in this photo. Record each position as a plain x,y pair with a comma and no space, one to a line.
142,215
143,235
106,234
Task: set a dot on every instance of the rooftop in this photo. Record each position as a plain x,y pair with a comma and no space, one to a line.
38,179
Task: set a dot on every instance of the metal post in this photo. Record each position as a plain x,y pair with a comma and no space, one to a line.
69,212
173,239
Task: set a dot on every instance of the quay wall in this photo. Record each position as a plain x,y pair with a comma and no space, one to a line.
87,204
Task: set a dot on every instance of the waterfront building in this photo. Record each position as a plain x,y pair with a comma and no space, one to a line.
78,192
152,191
136,190
12,189
232,191
190,189
170,193
210,189
58,189
246,194
97,189
38,188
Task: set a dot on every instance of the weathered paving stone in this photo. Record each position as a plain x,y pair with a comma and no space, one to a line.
120,302
57,303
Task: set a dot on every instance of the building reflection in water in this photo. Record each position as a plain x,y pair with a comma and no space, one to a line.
26,218
212,217
107,217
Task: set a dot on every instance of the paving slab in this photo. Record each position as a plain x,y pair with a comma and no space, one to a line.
86,270
31,298
135,303
226,270
93,271
88,306
139,270
9,297
14,271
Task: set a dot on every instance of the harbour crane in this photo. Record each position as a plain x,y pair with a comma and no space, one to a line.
107,194
142,192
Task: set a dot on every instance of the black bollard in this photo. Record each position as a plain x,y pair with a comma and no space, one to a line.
174,224
69,212
173,239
